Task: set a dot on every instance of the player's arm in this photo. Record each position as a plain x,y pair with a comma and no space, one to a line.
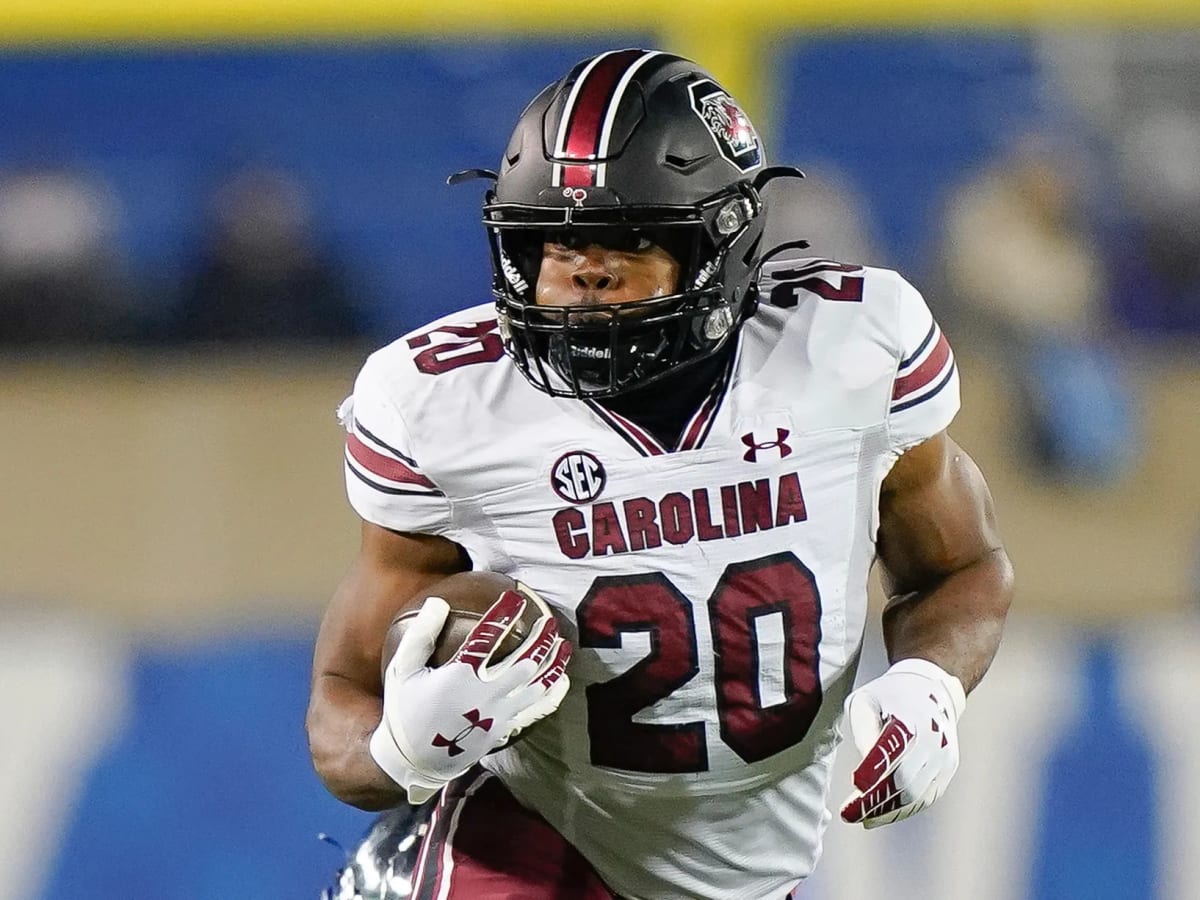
950,584
945,570
346,700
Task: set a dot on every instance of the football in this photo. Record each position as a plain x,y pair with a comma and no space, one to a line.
470,595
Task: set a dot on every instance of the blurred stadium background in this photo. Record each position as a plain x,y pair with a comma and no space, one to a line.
171,511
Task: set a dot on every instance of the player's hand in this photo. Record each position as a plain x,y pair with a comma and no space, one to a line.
905,725
439,722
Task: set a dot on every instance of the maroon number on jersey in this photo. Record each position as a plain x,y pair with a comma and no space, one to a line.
459,345
620,605
806,278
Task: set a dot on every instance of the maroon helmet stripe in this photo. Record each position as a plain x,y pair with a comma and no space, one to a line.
579,176
586,115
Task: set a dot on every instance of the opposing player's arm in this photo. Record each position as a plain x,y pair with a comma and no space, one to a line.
345,704
945,570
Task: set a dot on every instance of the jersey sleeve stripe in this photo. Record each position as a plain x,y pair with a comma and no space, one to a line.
387,489
383,466
900,407
361,429
916,354
933,366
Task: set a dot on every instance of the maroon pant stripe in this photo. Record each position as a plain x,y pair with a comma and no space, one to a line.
500,850
428,876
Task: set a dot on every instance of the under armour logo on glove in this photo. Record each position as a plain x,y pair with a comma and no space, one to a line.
472,716
905,725
779,444
502,696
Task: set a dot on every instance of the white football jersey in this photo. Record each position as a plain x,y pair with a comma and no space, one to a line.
715,592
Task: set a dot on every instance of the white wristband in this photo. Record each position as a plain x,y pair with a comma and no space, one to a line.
387,755
396,766
927,669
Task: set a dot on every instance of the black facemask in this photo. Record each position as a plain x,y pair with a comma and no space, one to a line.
596,358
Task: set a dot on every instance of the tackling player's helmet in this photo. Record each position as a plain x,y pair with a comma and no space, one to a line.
381,866
630,145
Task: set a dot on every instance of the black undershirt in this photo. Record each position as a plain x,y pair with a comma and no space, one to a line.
663,408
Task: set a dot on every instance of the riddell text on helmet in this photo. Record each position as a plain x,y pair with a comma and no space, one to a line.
703,514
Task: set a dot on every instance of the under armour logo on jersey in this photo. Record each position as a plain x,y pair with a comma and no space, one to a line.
452,744
780,444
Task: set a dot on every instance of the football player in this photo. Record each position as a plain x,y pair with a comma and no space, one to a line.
694,450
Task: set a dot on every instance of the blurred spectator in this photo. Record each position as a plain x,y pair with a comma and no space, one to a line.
825,209
1027,277
263,276
1020,260
60,280
1158,276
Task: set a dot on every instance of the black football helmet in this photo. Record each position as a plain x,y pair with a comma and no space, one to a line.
632,145
382,865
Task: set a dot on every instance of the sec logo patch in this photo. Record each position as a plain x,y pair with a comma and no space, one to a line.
578,477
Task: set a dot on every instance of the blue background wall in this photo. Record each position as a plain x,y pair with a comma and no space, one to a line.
207,791
907,117
373,130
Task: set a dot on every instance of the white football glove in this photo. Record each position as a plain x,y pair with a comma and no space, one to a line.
437,723
905,725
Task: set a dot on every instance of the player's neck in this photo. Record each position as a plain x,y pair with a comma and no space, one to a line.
664,407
